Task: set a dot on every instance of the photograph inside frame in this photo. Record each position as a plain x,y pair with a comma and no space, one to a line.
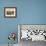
33,32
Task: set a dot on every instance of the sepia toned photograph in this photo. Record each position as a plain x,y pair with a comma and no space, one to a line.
10,12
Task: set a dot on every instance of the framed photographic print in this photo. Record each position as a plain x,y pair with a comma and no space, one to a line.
10,12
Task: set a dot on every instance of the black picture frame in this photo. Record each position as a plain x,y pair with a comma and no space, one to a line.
10,12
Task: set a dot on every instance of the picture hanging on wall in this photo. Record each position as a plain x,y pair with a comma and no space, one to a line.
10,12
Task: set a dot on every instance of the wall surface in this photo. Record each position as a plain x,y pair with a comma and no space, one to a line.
28,12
